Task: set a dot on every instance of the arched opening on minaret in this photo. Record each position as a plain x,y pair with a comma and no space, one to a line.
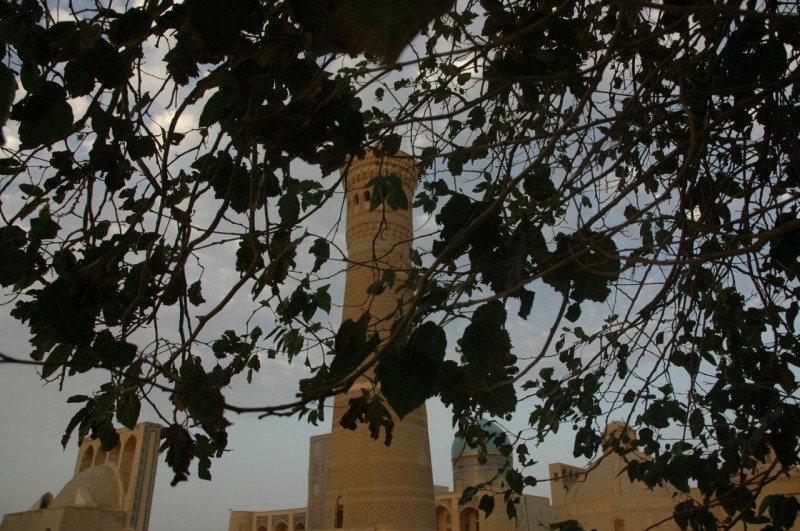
339,517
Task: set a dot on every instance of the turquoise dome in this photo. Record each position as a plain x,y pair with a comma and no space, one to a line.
460,447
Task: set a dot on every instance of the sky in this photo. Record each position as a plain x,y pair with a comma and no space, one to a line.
266,467
267,462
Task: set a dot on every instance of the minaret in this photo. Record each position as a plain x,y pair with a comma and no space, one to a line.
370,485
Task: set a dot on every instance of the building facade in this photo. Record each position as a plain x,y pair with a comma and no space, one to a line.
599,496
355,482
109,491
533,512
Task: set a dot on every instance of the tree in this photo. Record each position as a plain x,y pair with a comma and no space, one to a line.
636,162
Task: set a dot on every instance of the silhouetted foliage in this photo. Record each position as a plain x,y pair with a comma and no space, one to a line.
624,174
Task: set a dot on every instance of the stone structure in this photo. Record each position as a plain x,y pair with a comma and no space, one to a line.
110,491
357,483
369,484
600,496
597,496
533,512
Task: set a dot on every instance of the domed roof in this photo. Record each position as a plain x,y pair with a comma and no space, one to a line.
99,484
460,446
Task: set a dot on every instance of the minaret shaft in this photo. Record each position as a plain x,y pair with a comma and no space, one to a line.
369,484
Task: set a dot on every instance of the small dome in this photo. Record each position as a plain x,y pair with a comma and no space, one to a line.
99,483
460,446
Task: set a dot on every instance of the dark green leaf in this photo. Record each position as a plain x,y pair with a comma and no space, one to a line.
13,260
8,88
195,293
486,342
383,28
53,124
179,447
128,408
57,358
408,376
321,250
289,208
486,504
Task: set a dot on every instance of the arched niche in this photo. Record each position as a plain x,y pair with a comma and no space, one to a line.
444,520
470,519
113,455
339,515
126,461
100,456
88,458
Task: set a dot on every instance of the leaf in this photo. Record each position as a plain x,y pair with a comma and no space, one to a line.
391,143
502,400
321,250
215,109
526,298
453,217
538,184
408,376
49,124
180,64
573,312
782,510
195,293
57,358
179,446
80,418
13,260
323,299
387,190
43,227
356,26
132,26
117,354
128,409
8,89
289,208
589,264
142,147
486,342
352,346
486,504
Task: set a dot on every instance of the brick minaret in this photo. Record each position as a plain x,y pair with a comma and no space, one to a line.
371,485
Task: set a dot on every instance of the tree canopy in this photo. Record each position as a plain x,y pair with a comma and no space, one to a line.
624,174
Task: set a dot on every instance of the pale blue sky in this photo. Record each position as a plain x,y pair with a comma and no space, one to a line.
266,467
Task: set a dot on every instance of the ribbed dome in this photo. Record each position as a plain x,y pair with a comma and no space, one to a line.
460,447
100,482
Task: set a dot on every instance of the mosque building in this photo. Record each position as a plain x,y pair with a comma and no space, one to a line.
533,512
109,491
355,482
